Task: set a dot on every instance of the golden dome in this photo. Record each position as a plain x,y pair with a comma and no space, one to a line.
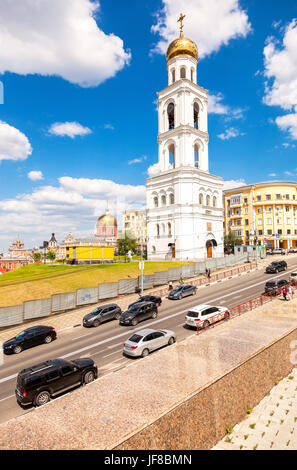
182,46
107,220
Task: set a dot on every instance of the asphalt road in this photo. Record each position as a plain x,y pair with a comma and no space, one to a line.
105,343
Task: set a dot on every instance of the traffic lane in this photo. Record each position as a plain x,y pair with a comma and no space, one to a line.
117,362
253,283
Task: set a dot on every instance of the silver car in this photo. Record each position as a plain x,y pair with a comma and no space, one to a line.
142,342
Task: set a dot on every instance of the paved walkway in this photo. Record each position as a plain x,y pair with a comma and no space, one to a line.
271,425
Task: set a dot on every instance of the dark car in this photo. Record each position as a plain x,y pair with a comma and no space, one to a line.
102,314
148,298
37,384
276,267
271,286
139,312
29,338
182,291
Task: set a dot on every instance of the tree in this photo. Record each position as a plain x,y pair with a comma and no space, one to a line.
230,241
51,255
37,256
125,244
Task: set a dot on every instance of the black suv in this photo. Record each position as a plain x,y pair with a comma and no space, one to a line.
139,312
271,286
102,314
28,338
276,267
148,298
37,384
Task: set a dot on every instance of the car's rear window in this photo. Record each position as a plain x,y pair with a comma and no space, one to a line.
193,314
270,284
135,338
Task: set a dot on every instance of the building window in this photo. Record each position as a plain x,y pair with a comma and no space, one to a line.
163,200
208,200
246,221
170,114
183,72
196,116
171,199
268,197
287,196
260,232
155,201
280,232
214,202
196,155
258,198
259,221
245,200
288,232
279,221
169,229
269,232
269,221
201,199
278,196
259,210
158,230
173,75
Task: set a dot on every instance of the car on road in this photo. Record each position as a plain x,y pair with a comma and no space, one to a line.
278,251
148,298
182,291
28,338
204,315
293,276
293,250
272,286
139,312
37,384
102,314
145,341
276,267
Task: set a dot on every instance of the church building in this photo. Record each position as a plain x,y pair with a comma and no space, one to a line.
184,201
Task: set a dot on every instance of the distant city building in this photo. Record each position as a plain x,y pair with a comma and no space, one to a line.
134,222
84,250
106,229
52,244
16,257
263,214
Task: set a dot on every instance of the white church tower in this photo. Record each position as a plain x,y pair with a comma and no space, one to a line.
184,201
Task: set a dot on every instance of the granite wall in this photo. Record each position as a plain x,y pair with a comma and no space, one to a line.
202,419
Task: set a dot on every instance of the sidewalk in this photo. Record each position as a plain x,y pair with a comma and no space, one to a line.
272,424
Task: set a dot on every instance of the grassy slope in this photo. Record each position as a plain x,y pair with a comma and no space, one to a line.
33,285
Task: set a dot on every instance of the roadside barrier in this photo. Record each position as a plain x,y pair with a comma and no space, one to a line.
63,302
243,307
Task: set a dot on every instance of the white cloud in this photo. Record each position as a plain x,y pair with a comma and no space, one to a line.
70,129
153,170
288,173
109,126
35,175
60,38
272,174
233,184
288,123
215,106
74,205
230,133
137,160
210,23
14,145
281,72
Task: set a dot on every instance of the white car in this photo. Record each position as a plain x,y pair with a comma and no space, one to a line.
202,316
142,342
293,276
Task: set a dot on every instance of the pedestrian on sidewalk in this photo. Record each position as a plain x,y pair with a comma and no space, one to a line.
170,285
208,274
181,281
290,292
285,293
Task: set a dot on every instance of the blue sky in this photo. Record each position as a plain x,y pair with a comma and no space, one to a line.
78,125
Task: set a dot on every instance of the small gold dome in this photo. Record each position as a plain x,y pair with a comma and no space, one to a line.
182,46
107,220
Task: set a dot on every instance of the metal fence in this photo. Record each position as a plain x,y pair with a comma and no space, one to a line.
67,301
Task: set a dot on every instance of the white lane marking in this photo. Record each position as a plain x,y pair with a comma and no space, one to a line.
107,355
6,398
115,345
90,346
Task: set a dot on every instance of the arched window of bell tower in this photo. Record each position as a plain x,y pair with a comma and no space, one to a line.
171,151
170,114
196,116
173,75
192,75
196,155
182,72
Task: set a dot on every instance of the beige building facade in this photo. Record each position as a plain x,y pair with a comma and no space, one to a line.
263,214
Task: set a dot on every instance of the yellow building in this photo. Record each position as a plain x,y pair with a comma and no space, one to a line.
263,214
86,251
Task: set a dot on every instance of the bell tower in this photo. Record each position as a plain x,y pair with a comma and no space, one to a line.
173,195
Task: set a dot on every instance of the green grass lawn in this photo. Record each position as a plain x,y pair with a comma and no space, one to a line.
39,281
